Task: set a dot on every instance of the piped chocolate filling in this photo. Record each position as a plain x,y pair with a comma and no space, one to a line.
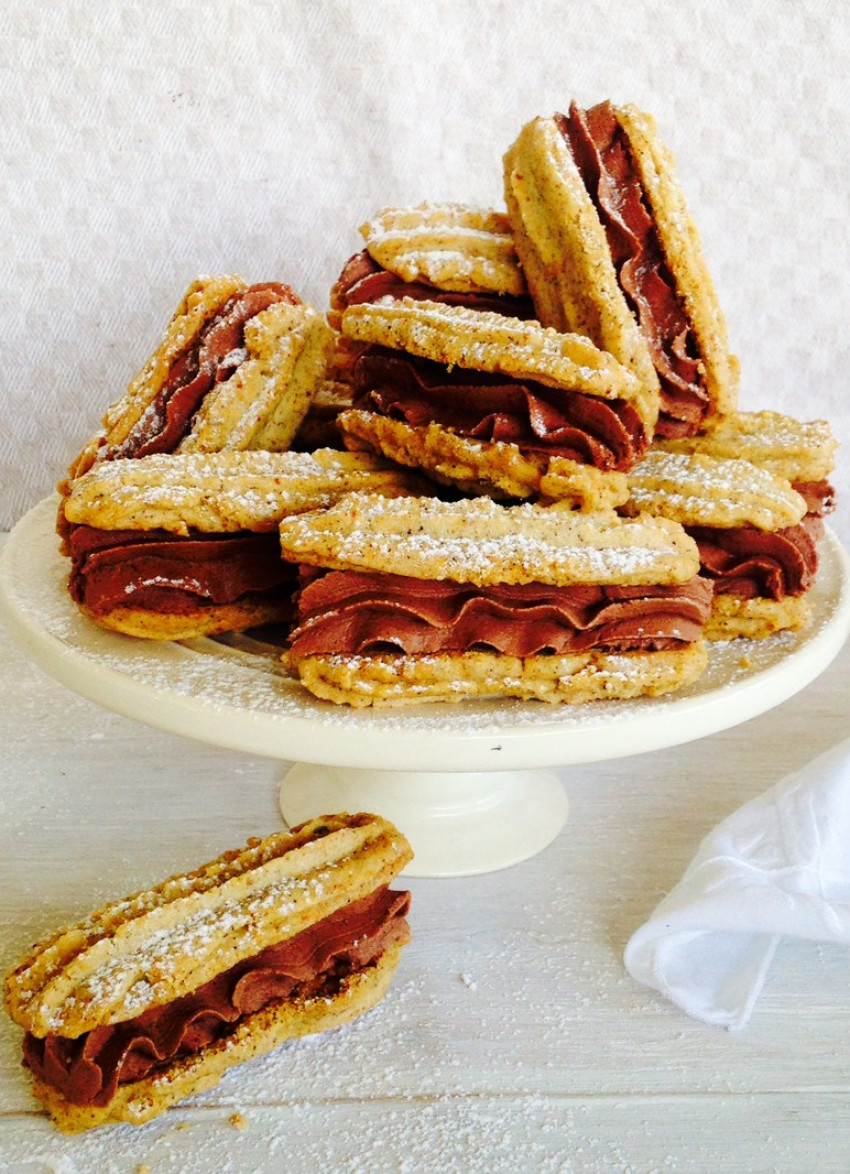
167,573
356,613
603,157
608,434
312,965
759,563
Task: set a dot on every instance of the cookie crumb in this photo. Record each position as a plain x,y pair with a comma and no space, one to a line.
238,1122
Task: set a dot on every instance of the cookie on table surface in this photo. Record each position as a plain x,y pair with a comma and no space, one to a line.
308,912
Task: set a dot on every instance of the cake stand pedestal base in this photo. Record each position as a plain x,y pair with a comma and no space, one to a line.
458,824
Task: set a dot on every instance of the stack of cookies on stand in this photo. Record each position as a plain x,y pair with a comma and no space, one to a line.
507,461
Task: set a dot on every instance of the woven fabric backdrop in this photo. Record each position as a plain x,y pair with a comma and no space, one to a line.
144,144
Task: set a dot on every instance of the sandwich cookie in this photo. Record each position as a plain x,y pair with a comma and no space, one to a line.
452,254
173,546
448,253
411,600
609,249
152,999
757,542
493,405
236,369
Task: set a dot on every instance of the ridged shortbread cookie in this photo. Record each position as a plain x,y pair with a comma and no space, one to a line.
312,907
479,541
491,403
227,491
450,246
170,547
235,369
361,681
482,341
700,490
732,616
795,449
609,249
489,468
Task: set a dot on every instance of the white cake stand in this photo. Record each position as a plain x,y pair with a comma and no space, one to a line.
467,783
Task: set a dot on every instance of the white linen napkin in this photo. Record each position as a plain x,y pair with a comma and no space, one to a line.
777,867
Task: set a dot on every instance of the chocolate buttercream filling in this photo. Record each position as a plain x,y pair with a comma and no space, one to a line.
210,359
167,573
603,156
312,965
364,280
759,563
356,613
819,496
608,434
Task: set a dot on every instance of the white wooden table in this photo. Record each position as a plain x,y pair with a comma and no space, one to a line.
513,1039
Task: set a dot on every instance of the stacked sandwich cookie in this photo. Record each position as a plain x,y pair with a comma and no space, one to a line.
494,405
173,546
757,540
416,599
452,254
609,249
448,253
153,998
235,369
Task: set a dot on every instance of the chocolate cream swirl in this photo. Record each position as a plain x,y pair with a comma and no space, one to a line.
608,434
759,563
210,359
354,613
312,965
164,572
602,154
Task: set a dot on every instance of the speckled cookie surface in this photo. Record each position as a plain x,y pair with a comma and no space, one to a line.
795,449
732,616
479,541
700,490
450,246
480,340
162,943
222,492
574,679
285,354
